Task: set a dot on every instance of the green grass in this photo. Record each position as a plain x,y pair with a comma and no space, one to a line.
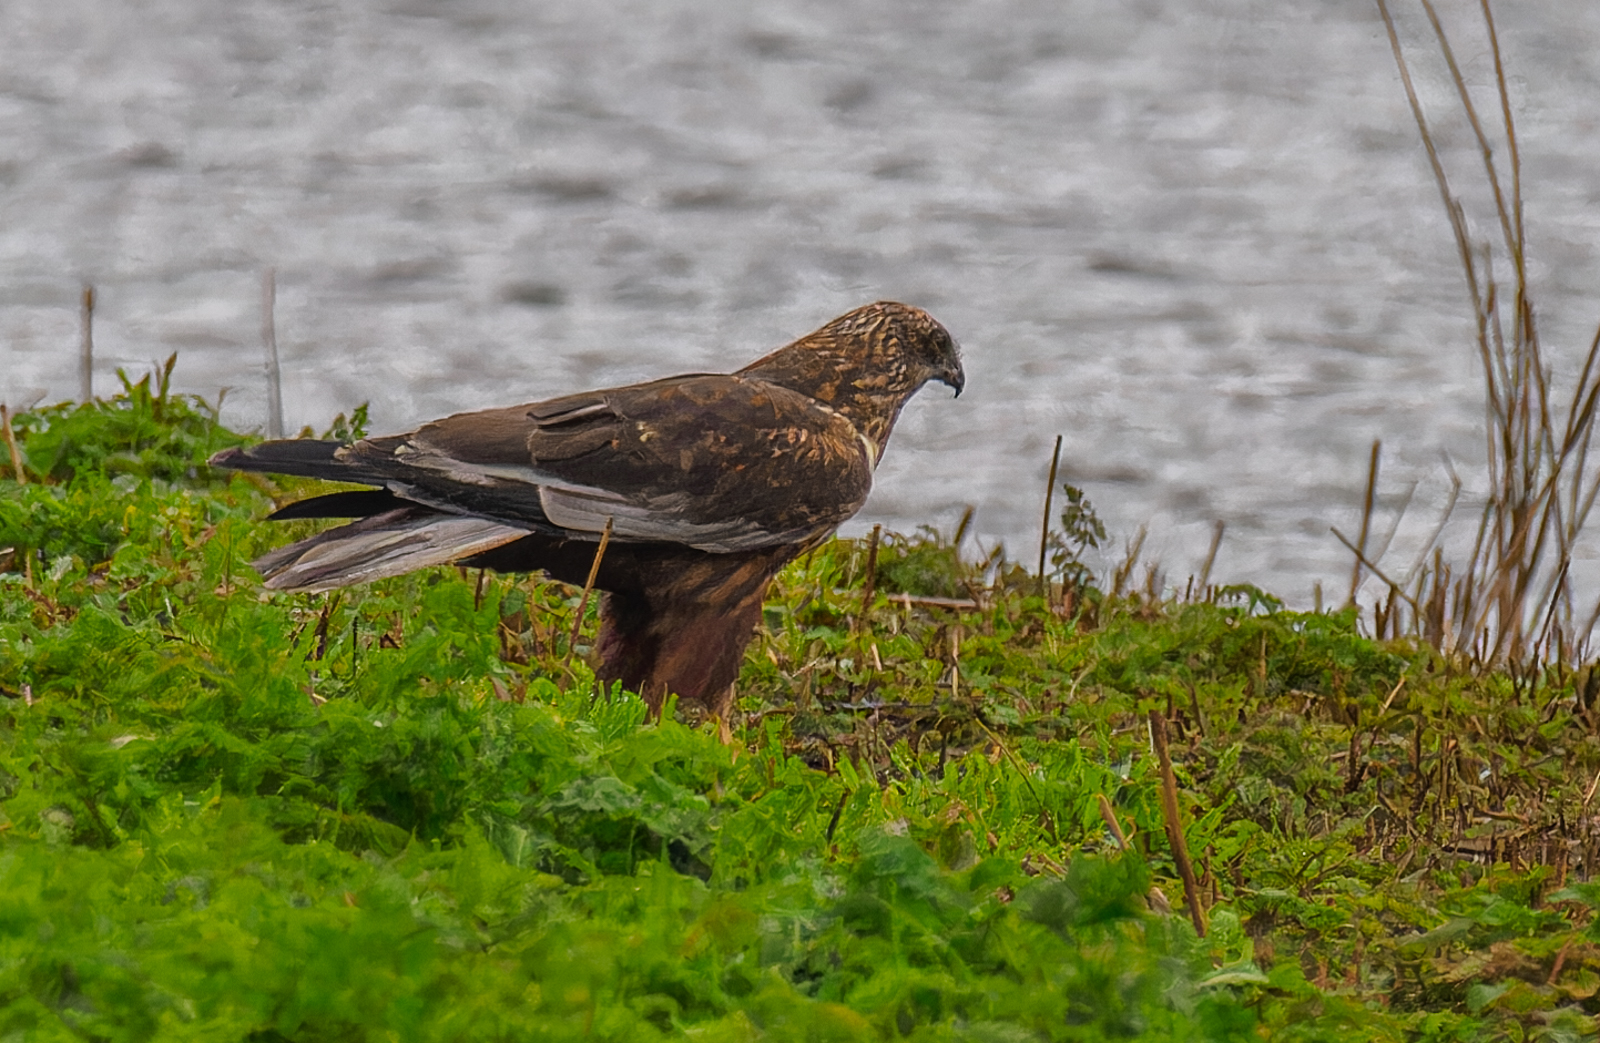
399,813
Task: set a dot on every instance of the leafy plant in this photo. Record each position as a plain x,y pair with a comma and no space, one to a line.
404,810
1081,530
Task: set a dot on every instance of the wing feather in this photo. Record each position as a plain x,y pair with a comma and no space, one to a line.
719,463
388,544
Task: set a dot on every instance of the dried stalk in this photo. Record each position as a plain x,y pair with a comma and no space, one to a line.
1174,824
1044,531
11,444
269,348
1512,604
588,588
869,586
86,347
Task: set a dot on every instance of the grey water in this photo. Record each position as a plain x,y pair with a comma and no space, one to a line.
1198,239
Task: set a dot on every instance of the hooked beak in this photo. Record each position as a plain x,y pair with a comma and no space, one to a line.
954,376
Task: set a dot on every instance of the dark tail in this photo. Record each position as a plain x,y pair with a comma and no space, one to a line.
305,457
357,503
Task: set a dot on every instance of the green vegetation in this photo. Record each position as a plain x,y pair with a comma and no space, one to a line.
399,812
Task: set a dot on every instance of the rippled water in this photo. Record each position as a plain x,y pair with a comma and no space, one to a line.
1197,239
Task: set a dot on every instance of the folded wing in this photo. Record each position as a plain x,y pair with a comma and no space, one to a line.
717,463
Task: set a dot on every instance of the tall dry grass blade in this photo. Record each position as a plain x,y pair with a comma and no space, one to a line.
1170,815
11,444
1367,501
1432,541
1130,560
1044,531
1377,553
588,588
1513,237
269,347
869,585
1513,151
1211,556
1513,603
1373,568
962,526
86,346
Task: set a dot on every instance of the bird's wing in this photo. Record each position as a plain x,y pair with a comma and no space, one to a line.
716,462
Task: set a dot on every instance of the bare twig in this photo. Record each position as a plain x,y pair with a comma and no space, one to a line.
1130,560
1174,824
869,585
1366,520
1211,556
1044,530
1361,559
588,588
929,601
269,347
11,444
1109,816
86,347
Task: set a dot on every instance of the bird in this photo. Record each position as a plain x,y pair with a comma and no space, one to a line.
695,490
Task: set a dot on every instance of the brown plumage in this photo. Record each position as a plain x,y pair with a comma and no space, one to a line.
711,483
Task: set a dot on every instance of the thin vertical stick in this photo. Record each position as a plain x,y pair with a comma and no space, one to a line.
1511,142
1169,810
1211,556
1366,519
962,526
1110,817
269,345
588,588
869,586
1044,532
11,444
86,349
955,661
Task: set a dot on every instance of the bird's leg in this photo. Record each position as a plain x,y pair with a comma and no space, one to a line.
686,635
691,650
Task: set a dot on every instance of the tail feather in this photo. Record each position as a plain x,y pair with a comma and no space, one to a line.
378,547
305,457
356,503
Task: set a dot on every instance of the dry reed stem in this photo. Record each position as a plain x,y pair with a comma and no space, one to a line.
869,586
588,588
1109,816
1130,560
955,662
1513,603
11,444
931,601
1044,530
1174,824
1361,559
86,347
269,347
1211,557
1367,501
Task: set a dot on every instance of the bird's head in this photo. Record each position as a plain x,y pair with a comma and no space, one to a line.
928,344
867,363
898,347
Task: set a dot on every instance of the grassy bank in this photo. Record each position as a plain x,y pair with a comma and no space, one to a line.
398,812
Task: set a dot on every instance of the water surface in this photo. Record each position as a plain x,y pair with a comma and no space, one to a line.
1199,240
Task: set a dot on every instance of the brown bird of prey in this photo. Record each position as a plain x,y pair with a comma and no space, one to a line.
708,484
